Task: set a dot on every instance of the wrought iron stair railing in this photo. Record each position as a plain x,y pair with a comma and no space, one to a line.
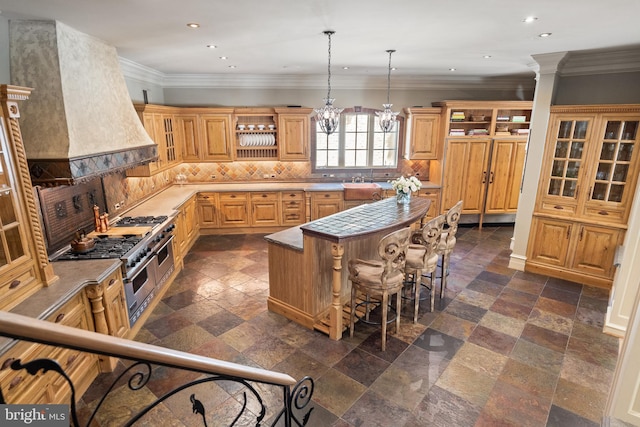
296,396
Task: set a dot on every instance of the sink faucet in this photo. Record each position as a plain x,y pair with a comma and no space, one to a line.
356,179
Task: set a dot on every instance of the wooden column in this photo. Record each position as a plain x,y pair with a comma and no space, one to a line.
95,293
335,313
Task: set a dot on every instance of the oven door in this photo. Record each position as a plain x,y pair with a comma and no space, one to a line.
140,289
164,262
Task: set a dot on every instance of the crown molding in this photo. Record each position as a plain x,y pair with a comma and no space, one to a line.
135,71
602,62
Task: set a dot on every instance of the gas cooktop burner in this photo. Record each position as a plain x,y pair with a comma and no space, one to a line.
105,247
129,221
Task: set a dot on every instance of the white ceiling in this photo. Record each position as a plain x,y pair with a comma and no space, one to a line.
279,38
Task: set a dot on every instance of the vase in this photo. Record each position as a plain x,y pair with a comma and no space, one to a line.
403,198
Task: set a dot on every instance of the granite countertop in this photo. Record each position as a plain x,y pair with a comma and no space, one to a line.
170,199
73,276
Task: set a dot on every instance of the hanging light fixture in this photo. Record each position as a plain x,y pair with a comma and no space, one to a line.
328,116
387,118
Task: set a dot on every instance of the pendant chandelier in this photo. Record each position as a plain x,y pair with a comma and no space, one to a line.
328,116
387,118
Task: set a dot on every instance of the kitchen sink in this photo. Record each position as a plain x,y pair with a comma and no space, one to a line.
362,191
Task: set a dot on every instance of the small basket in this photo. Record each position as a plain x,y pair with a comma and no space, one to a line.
477,117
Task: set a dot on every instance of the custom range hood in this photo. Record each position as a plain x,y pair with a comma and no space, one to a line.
80,122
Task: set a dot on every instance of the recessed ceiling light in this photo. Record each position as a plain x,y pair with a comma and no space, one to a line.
212,46
452,69
529,19
486,56
193,25
223,57
232,66
543,35
345,68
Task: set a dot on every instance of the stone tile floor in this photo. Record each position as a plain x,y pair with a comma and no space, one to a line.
504,348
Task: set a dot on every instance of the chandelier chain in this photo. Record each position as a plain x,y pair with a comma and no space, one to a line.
389,76
329,33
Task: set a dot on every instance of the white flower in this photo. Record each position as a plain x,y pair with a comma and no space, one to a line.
406,185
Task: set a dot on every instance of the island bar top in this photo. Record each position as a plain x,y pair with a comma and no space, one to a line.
366,219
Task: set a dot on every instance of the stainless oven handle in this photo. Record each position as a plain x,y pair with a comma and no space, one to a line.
139,268
164,245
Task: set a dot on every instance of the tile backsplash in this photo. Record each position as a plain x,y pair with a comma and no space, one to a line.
126,192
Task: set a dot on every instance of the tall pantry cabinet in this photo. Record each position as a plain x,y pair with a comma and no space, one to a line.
484,152
588,180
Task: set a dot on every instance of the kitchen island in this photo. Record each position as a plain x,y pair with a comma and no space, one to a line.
307,281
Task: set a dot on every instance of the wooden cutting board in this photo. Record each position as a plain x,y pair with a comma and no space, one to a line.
122,231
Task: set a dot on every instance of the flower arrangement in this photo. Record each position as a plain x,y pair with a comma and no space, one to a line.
406,185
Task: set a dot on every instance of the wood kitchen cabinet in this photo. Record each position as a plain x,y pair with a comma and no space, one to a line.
465,174
432,194
187,227
234,209
424,133
293,134
574,250
215,132
505,176
159,122
186,128
324,203
485,147
115,304
24,265
19,387
293,208
589,176
265,209
208,210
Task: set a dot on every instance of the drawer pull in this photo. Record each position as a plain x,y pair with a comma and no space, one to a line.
327,195
264,195
558,207
59,318
111,282
7,363
14,382
603,213
14,284
233,196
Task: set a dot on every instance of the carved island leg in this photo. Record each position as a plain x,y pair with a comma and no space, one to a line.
335,313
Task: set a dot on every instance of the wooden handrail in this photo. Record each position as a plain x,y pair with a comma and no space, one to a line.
29,329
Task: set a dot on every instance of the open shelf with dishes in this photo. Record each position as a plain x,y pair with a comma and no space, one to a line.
256,134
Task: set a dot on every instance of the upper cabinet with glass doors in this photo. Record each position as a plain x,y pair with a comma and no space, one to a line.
591,163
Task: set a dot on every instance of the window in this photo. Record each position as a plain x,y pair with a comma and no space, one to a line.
359,143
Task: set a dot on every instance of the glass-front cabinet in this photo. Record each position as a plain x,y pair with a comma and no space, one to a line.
611,177
588,180
11,241
567,146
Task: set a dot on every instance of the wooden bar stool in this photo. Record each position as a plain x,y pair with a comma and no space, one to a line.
422,259
380,278
448,242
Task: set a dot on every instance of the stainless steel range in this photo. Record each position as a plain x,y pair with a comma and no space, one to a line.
147,260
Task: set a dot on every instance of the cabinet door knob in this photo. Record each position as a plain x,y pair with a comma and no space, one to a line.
14,284
14,382
603,213
111,282
59,318
7,363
